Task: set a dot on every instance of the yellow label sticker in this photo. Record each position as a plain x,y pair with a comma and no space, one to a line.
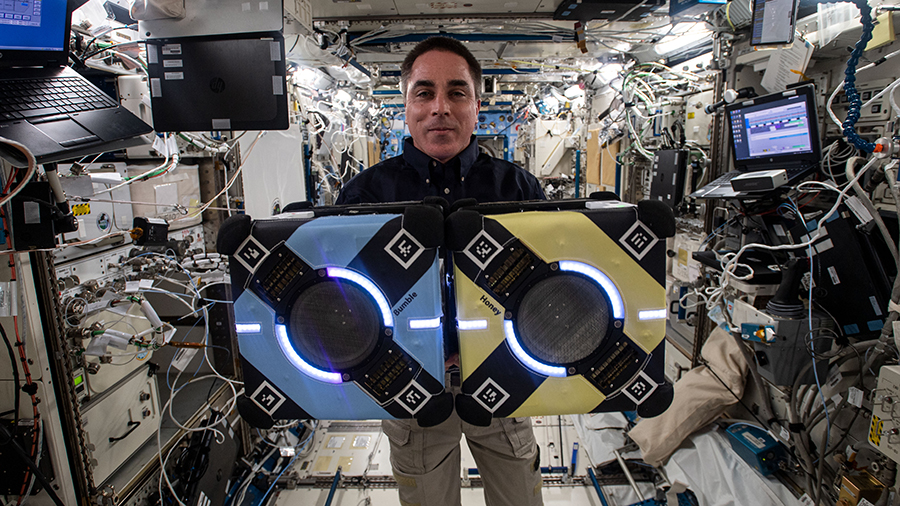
81,209
875,430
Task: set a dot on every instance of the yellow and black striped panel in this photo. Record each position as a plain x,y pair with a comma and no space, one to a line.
81,209
493,378
570,235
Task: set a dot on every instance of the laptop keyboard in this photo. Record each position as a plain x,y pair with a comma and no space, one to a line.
34,98
724,178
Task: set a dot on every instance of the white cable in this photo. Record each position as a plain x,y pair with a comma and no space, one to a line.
887,89
204,144
231,382
32,168
841,86
637,141
229,184
700,295
220,437
168,164
893,99
89,241
173,295
163,462
730,259
831,113
239,499
137,63
867,203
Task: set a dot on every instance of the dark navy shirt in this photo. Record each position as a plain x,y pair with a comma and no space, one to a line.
415,175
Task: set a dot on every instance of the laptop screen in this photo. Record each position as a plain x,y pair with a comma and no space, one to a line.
778,127
773,22
33,25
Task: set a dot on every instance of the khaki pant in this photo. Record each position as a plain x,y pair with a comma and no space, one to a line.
426,461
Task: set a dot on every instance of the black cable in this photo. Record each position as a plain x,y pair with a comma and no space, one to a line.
562,448
209,393
18,387
30,463
107,48
710,369
79,64
87,46
846,433
681,138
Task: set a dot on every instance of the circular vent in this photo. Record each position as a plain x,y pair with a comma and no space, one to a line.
334,325
563,319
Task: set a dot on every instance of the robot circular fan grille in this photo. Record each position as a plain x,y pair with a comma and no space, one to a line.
563,319
334,325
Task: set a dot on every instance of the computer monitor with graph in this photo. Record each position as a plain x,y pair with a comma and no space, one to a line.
774,130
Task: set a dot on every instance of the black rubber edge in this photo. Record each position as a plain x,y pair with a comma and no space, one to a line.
658,402
603,196
232,233
658,216
253,415
440,407
293,207
425,224
460,228
471,412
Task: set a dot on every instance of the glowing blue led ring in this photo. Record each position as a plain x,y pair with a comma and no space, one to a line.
612,293
525,358
294,358
367,285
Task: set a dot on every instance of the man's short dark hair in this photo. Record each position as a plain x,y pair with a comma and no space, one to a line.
441,44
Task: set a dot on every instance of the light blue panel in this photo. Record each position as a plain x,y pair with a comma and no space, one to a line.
335,240
426,345
321,400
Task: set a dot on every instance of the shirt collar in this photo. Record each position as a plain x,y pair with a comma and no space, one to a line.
420,161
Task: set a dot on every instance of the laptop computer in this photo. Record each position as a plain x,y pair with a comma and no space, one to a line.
776,131
45,105
233,82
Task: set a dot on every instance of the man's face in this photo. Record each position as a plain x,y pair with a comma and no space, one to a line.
441,107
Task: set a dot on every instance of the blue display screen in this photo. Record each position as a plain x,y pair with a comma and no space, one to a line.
33,25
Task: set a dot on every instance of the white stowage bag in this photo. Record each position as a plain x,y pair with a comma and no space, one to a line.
719,477
699,399
145,10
